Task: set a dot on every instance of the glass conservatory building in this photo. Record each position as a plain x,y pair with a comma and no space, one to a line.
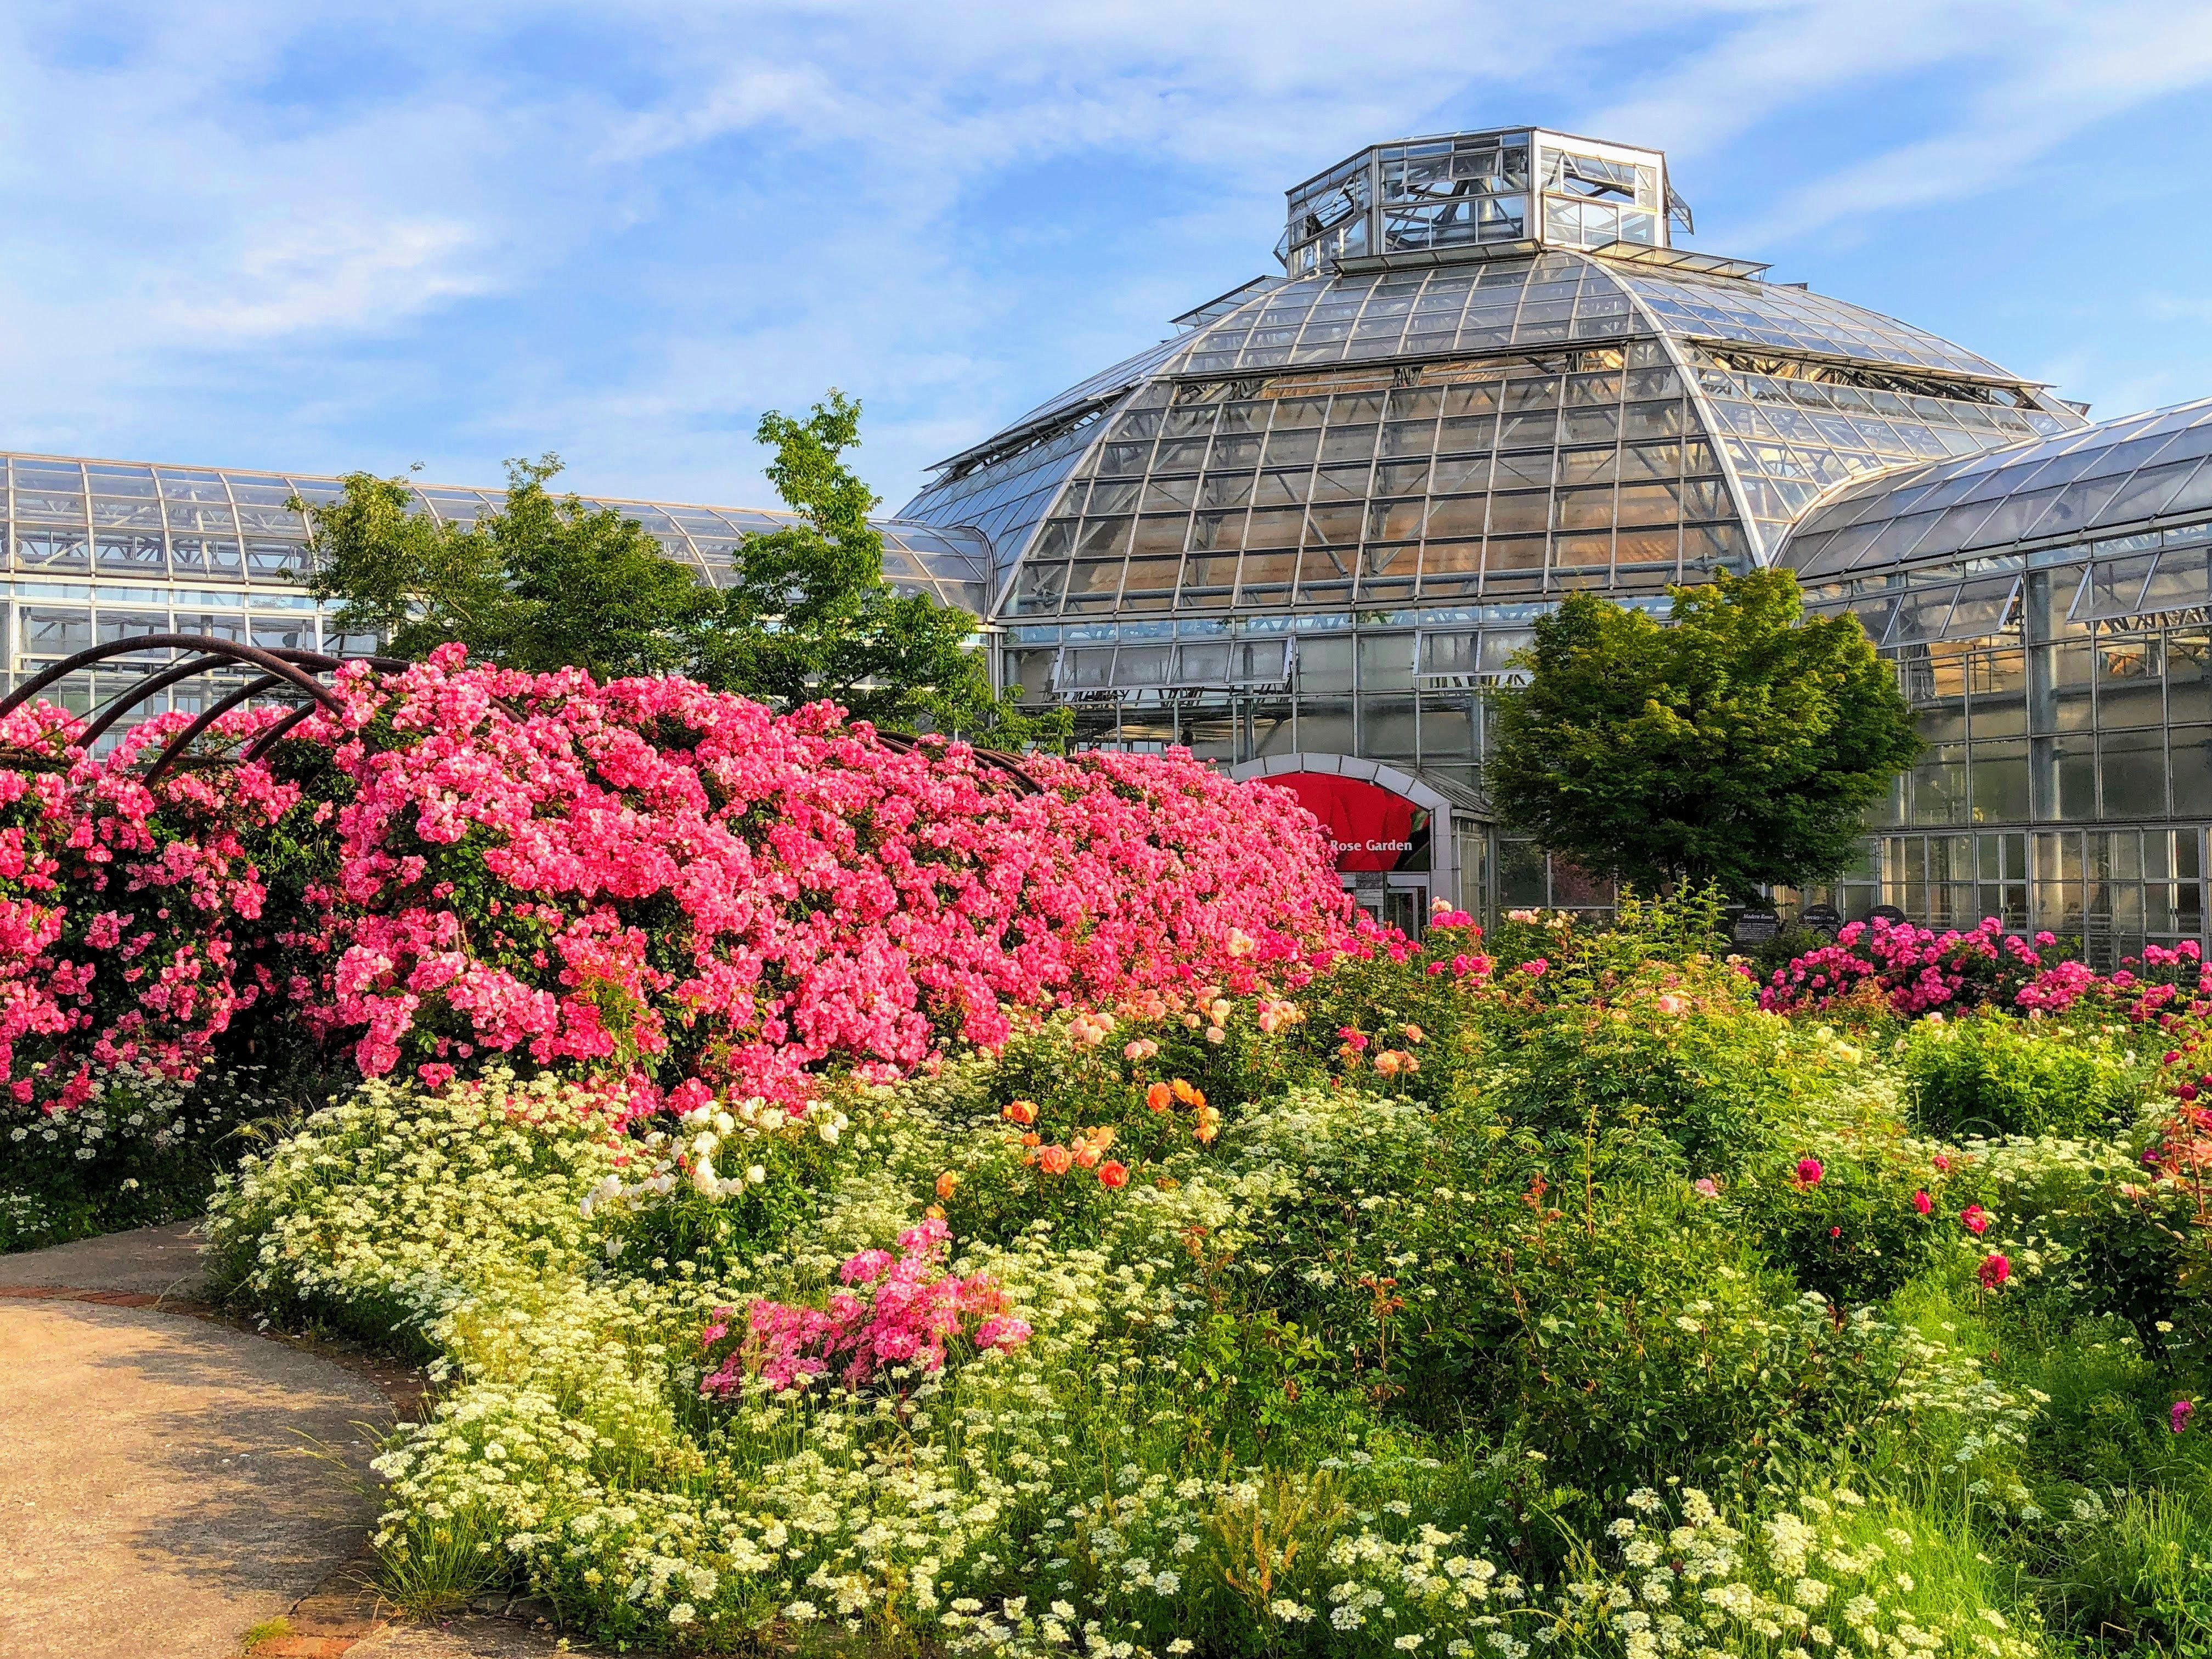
2049,607
1302,535
1305,533
101,551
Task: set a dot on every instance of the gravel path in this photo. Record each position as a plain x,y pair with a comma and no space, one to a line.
160,1490
168,1482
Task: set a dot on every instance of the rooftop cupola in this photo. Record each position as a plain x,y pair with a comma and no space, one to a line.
1467,194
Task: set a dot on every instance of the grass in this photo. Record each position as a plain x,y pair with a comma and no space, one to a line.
269,1629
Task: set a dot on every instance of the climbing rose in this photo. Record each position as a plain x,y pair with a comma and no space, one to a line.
640,886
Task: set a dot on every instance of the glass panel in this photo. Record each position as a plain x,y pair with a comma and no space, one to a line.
141,555
2133,769
1386,662
205,556
56,633
1939,786
2190,747
118,625
2130,682
216,625
2000,783
53,549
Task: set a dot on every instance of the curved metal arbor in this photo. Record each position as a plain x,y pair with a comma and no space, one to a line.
282,669
994,760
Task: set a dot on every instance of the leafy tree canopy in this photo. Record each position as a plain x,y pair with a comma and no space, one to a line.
1740,745
544,582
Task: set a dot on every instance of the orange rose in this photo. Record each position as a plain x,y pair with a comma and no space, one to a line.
947,1184
1056,1159
1112,1174
1020,1111
1159,1096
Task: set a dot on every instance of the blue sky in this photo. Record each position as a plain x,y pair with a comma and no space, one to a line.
336,236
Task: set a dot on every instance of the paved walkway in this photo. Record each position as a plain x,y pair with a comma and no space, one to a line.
168,1482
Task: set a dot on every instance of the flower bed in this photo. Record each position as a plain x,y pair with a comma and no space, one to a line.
1340,1321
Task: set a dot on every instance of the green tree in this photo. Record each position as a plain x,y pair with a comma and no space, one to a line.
544,582
1739,743
809,615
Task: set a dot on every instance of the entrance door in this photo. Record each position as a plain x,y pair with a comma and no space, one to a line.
1405,908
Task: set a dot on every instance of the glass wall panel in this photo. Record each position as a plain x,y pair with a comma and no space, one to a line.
2000,779
2132,771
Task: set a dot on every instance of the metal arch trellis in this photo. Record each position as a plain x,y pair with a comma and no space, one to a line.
993,760
283,668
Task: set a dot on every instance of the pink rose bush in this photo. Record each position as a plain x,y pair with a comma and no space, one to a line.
897,1311
645,885
1917,970
124,910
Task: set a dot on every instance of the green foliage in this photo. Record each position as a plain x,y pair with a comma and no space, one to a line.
1740,745
539,584
543,583
2137,1572
1990,1074
142,1151
808,615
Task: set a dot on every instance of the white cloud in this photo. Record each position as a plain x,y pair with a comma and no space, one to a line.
350,235
342,275
2013,80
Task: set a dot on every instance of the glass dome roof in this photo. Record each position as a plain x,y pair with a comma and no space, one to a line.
2115,476
115,518
1786,393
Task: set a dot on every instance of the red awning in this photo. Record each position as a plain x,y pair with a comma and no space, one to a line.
1374,829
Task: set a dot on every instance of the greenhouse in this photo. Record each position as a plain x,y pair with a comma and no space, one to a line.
2050,610
1303,534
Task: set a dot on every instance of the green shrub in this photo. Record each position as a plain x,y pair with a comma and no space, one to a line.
1633,1339
1856,1234
1993,1074
1676,1060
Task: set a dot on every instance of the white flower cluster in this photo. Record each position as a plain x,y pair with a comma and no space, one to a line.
1834,1573
730,1134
